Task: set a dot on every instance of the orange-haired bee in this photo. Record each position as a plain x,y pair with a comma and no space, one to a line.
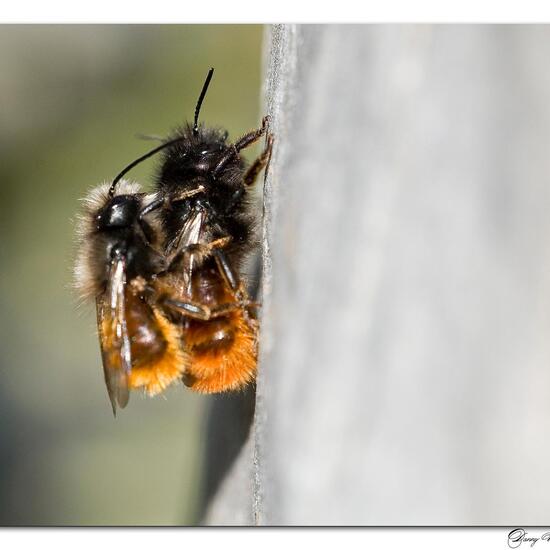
116,260
202,198
209,231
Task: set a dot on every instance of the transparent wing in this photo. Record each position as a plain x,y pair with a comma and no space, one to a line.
113,335
189,235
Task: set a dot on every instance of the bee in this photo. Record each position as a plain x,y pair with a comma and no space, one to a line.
165,268
202,194
117,258
209,234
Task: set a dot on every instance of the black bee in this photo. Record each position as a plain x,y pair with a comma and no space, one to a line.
209,231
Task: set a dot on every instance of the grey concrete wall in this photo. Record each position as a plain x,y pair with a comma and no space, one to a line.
405,352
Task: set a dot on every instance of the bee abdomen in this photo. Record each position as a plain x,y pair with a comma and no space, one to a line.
157,357
222,354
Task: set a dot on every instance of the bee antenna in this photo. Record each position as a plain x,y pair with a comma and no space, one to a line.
141,159
199,102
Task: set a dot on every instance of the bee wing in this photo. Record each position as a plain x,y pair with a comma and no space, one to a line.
189,235
113,336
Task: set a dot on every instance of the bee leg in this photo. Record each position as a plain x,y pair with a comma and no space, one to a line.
207,249
232,281
225,309
189,309
254,136
226,270
261,162
200,311
247,140
161,201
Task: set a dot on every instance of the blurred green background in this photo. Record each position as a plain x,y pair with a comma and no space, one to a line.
72,99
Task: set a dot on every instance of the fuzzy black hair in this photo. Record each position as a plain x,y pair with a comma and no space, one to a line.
191,162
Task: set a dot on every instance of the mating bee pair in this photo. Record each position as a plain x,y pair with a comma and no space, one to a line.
165,268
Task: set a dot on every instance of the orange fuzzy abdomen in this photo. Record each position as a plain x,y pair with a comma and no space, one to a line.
222,351
157,357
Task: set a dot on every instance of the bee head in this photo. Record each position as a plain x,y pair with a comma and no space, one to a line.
120,212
